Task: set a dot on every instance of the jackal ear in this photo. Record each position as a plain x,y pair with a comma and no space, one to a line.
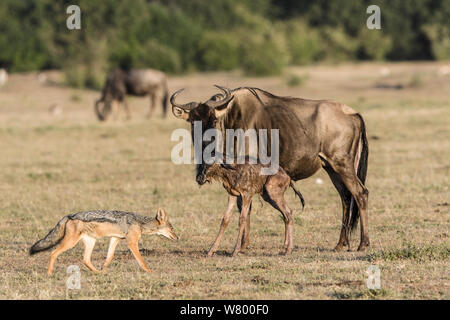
223,109
161,215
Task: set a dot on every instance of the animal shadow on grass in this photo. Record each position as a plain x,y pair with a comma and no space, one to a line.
346,283
189,253
121,254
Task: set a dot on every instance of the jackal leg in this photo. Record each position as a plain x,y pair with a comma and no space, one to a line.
71,238
133,237
89,244
223,225
112,247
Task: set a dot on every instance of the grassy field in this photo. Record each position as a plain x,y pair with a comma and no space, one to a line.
56,163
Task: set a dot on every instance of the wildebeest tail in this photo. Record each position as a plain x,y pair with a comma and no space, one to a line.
165,97
51,239
298,194
361,171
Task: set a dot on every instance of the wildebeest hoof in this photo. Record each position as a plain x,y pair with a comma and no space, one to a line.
362,247
286,251
234,254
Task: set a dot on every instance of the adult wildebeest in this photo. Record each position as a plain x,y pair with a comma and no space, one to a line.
312,134
137,82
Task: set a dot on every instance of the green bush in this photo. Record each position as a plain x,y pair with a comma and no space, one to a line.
337,45
373,44
295,80
260,36
155,55
81,76
150,55
303,42
87,68
174,29
439,36
219,51
264,53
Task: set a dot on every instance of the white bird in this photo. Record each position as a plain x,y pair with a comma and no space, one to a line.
3,77
444,70
385,71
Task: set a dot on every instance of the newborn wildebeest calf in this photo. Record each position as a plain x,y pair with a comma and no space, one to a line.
246,180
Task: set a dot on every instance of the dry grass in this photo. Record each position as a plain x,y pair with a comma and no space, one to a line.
53,165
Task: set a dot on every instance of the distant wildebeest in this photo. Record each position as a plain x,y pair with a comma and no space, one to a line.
3,77
137,82
312,134
244,181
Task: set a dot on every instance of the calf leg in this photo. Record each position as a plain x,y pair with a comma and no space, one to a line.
274,194
223,225
246,201
245,241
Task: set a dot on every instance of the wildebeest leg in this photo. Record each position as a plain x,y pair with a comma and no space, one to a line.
223,225
127,109
345,199
115,109
274,190
360,194
246,235
246,201
152,105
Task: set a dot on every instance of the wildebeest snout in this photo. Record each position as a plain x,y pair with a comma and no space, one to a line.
201,178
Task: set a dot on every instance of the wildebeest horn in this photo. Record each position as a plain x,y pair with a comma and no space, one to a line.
225,100
186,106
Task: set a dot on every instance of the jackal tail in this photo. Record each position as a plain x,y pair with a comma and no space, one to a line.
298,194
51,239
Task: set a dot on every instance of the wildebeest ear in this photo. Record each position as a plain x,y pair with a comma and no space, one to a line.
161,215
223,109
180,113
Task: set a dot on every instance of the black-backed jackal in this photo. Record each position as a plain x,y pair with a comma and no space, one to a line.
92,225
